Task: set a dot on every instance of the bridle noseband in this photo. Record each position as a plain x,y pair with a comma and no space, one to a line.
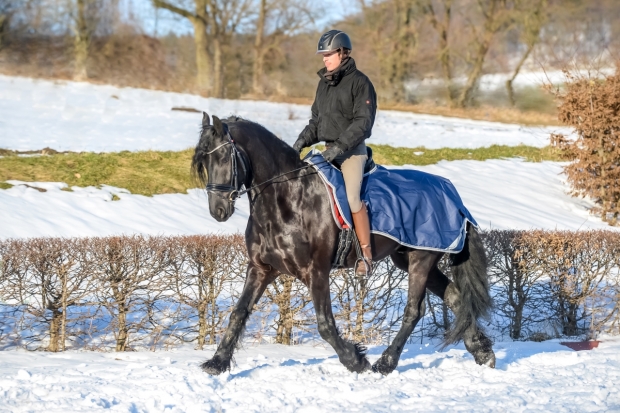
234,189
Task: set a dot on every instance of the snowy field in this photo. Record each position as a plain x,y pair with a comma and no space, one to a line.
506,194
500,194
530,377
69,116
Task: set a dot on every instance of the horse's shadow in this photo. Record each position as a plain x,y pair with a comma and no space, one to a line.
427,356
286,363
507,353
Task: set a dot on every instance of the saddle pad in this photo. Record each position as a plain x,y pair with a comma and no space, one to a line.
414,208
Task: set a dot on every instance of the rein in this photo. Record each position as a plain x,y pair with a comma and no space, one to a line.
234,188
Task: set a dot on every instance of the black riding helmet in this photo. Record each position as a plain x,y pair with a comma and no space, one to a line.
333,40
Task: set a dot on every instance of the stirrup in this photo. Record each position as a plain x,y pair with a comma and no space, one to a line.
367,269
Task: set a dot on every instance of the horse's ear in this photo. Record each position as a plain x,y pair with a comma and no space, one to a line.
205,120
217,124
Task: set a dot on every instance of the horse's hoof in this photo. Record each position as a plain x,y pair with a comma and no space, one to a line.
485,359
366,366
383,366
361,366
215,366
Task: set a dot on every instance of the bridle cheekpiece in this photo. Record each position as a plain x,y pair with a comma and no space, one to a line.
235,186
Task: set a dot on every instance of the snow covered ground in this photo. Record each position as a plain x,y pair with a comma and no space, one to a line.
267,377
530,377
70,116
501,194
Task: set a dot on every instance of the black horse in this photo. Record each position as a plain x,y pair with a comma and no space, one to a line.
290,231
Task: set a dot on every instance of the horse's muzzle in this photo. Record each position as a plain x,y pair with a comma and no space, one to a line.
221,208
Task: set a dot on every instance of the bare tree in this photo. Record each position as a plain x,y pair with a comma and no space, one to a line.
126,268
203,278
440,15
532,16
365,304
86,18
497,16
292,299
199,19
225,16
276,21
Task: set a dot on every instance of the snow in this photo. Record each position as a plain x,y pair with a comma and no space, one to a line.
500,194
73,116
274,378
268,377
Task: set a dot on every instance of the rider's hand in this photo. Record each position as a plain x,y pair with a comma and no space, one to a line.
299,145
330,153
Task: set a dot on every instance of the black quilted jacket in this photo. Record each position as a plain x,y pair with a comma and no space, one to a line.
344,109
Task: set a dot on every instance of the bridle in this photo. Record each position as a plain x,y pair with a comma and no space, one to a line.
234,190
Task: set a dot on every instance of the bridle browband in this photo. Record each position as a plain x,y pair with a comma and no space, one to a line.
234,189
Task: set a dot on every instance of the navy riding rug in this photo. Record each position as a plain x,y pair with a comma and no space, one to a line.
414,208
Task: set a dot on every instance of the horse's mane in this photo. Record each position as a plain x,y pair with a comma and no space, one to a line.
261,132
239,126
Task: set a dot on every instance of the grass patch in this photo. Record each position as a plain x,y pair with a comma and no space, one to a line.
387,155
4,185
149,173
145,173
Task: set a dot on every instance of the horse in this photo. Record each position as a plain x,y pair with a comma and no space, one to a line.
290,231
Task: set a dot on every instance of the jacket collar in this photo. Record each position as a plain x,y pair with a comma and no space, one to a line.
339,73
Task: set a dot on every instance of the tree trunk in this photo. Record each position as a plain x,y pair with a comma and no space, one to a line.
204,73
121,339
443,30
284,331
3,28
202,325
218,69
122,331
509,88
517,323
466,94
81,42
358,334
492,24
54,344
259,57
214,310
199,20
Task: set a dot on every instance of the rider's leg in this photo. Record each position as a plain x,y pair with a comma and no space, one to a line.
353,170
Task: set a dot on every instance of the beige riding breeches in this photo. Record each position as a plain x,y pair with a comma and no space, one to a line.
353,172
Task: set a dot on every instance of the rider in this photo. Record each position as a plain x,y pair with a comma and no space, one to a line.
343,114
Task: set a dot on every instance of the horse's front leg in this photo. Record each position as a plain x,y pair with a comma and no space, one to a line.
256,281
350,355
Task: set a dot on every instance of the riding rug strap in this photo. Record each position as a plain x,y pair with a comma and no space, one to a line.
416,209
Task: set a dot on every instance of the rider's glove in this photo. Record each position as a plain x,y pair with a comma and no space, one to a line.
330,153
300,144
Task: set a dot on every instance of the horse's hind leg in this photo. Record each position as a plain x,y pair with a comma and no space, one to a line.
476,342
255,283
350,355
418,264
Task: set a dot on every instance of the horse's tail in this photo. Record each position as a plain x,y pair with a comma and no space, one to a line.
469,270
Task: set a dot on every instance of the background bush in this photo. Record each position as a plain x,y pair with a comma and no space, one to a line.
141,292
